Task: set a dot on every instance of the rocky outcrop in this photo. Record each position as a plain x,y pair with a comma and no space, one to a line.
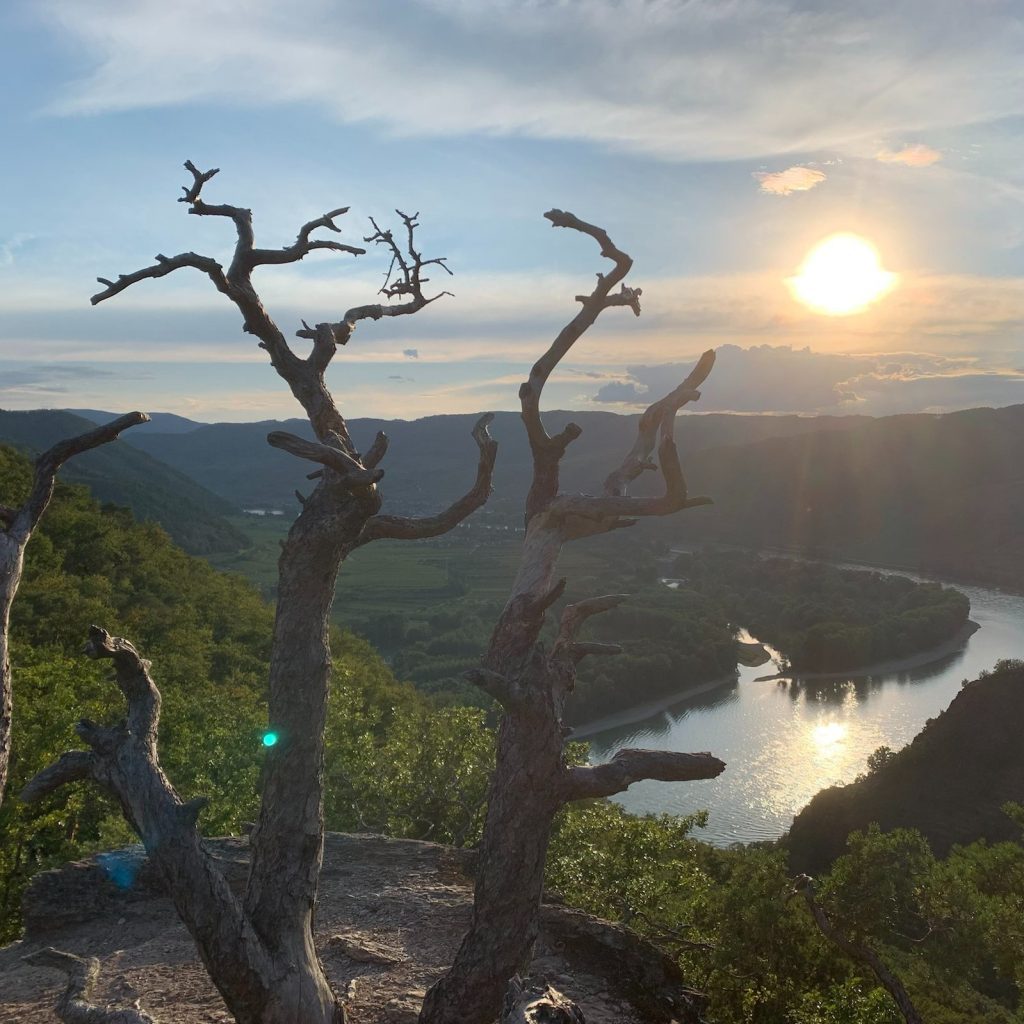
390,916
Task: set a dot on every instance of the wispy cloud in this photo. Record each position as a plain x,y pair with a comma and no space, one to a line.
792,179
693,79
918,155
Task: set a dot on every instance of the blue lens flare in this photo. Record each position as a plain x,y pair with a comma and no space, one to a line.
269,739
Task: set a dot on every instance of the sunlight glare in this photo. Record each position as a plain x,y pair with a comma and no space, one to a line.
828,735
841,275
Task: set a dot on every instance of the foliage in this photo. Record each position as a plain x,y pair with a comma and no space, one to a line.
822,618
207,635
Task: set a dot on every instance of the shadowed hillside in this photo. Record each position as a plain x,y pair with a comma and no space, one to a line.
950,783
122,475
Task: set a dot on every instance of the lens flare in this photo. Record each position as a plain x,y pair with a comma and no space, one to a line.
841,275
269,739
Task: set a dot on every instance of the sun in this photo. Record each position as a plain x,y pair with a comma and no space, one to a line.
841,275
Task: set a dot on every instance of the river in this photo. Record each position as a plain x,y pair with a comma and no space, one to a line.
784,739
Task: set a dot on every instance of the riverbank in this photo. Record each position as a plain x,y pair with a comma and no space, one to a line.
641,712
955,643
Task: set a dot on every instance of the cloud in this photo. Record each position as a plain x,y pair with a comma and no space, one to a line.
630,392
781,379
693,79
793,179
918,155
41,383
10,246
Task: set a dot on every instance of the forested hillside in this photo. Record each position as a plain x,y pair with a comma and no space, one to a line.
123,475
822,618
432,459
408,769
941,493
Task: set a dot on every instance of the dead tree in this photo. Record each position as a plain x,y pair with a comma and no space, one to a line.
532,780
259,948
16,528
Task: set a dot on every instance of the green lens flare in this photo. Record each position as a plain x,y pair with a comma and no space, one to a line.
269,739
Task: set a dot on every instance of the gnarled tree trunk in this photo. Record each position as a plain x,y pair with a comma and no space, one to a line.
532,780
260,951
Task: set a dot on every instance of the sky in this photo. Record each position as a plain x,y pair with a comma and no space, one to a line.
718,141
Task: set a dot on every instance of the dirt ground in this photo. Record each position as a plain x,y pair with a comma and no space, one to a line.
390,917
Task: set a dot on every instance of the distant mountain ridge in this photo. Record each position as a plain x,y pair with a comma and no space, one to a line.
123,475
430,461
934,492
942,493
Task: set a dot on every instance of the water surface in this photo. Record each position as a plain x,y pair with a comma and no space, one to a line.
783,740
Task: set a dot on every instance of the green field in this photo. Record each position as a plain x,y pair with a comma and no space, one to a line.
410,578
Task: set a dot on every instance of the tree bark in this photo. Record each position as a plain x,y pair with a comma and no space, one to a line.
510,873
531,780
260,953
11,562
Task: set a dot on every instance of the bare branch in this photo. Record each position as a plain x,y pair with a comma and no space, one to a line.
73,766
547,450
133,679
630,765
199,179
48,464
573,617
403,528
73,1005
657,419
341,462
404,278
164,265
804,885
304,245
377,451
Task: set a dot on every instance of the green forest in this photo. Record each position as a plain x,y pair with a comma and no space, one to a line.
823,618
417,766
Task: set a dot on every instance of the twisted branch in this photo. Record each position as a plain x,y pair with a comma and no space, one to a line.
417,528
348,468
547,450
632,765
24,520
73,1005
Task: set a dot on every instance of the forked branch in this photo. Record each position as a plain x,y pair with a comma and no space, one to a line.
417,528
404,279
657,421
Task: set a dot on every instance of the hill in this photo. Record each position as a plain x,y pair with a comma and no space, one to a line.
159,422
432,460
122,475
950,783
942,493
939,493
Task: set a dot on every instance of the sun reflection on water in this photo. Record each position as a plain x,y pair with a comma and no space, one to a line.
828,737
